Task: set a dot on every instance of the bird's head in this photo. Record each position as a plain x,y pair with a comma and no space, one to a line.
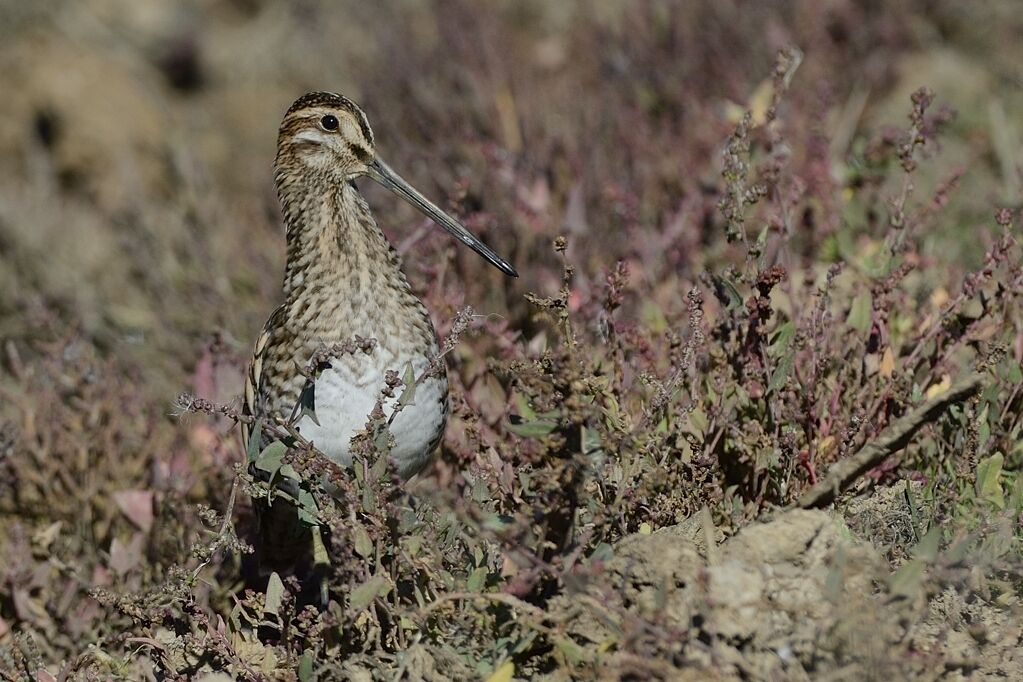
327,136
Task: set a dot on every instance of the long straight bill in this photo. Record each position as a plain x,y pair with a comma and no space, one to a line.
382,173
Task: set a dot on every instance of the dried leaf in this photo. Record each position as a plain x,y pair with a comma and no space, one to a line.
215,677
939,388
504,673
760,101
42,539
887,367
124,558
137,506
28,609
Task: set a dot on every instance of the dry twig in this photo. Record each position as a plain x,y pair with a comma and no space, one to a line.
891,440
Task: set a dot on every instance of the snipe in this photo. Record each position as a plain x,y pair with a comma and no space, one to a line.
343,279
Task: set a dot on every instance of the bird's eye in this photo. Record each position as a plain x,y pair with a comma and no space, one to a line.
329,122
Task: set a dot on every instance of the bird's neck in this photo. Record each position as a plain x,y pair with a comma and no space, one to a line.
334,245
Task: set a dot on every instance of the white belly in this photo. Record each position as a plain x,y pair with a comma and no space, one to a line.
345,395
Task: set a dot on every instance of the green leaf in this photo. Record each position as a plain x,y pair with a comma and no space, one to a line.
320,556
1016,495
269,459
363,595
927,548
959,550
274,595
654,317
255,439
602,552
725,287
984,428
573,653
782,337
379,468
408,395
524,408
532,429
305,666
307,403
495,522
829,251
1015,375
591,443
480,491
762,243
861,313
288,471
476,579
382,444
698,420
308,510
906,581
781,373
989,480
363,543
612,413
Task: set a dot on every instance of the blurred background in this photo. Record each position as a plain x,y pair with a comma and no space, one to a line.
137,136
141,247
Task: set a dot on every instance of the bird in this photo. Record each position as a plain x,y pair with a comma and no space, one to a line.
343,280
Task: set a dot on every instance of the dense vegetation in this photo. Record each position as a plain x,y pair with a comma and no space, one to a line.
757,241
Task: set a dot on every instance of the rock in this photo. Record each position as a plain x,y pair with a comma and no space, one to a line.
763,601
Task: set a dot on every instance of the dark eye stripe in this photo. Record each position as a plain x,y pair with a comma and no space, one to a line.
361,153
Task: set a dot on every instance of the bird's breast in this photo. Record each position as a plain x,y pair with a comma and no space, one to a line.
346,394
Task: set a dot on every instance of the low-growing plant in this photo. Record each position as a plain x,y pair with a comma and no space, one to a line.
736,339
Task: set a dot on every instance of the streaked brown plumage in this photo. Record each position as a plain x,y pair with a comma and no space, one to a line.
342,279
